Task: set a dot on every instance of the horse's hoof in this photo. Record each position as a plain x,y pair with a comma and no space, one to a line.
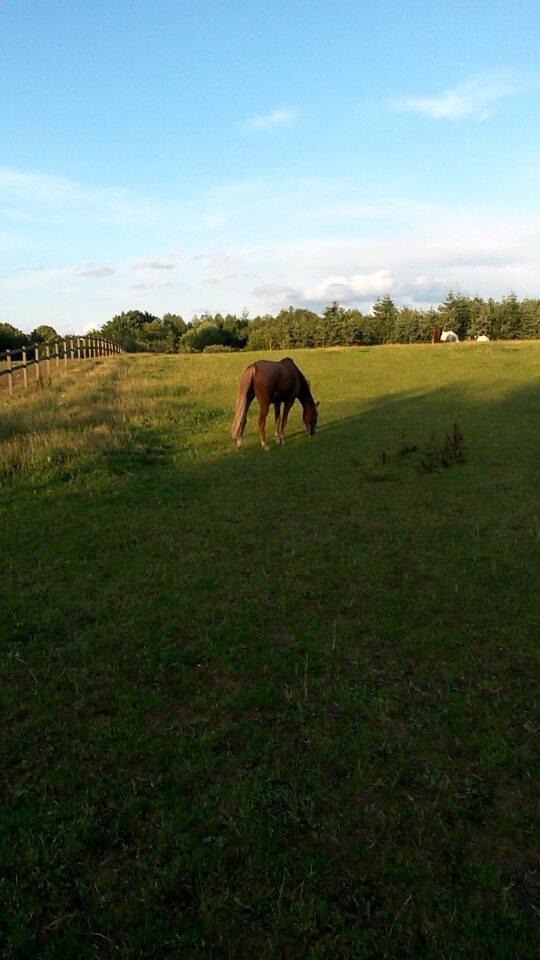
265,447
239,445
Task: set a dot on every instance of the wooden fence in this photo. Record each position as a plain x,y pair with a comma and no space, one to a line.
36,362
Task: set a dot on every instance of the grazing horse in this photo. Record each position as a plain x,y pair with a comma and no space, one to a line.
273,382
448,336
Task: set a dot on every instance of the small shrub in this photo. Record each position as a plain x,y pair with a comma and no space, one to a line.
431,459
218,348
405,448
453,449
369,475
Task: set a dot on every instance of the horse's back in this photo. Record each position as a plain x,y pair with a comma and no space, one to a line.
276,377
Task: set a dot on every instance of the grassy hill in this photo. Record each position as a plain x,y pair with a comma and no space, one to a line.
271,705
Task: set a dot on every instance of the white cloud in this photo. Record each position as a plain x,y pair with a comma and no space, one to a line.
331,239
472,99
350,289
92,271
275,292
424,290
212,281
152,286
29,279
45,276
34,197
269,121
167,264
214,258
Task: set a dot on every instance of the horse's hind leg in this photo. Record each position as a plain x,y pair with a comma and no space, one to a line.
277,409
262,423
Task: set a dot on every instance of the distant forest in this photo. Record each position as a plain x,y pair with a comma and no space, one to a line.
468,317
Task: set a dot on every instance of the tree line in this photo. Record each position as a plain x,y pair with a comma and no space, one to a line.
136,330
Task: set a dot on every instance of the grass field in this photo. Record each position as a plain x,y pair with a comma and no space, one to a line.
270,705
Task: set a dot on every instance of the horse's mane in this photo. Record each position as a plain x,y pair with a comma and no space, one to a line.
305,386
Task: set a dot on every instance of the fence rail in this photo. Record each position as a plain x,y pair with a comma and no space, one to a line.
35,361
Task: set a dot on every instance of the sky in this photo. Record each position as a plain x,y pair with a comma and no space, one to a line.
190,156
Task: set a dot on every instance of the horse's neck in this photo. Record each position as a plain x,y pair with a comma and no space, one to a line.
304,394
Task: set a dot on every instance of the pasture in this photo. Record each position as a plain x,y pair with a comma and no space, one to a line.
270,705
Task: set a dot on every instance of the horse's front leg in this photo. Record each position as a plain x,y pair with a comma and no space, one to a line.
284,418
263,413
277,410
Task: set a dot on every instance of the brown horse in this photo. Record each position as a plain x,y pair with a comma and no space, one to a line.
273,382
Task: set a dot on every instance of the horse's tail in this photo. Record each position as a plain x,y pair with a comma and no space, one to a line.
243,400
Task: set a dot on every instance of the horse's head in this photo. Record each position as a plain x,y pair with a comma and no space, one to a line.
311,415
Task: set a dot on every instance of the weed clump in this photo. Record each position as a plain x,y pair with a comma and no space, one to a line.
435,454
445,454
405,448
431,458
453,450
369,475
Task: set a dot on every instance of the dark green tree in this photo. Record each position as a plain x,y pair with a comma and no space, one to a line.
509,318
126,328
43,334
455,314
384,319
11,338
530,319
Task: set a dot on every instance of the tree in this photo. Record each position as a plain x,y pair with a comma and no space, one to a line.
43,334
509,318
174,327
408,325
11,338
384,319
530,319
126,328
455,314
482,315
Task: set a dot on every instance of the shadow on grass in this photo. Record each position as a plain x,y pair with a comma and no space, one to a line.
259,706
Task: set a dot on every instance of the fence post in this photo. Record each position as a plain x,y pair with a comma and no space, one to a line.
10,375
71,350
56,357
64,343
48,360
25,368
38,368
78,348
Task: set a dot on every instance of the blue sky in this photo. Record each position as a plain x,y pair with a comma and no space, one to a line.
177,156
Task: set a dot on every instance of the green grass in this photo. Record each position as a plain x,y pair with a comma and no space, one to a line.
270,705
